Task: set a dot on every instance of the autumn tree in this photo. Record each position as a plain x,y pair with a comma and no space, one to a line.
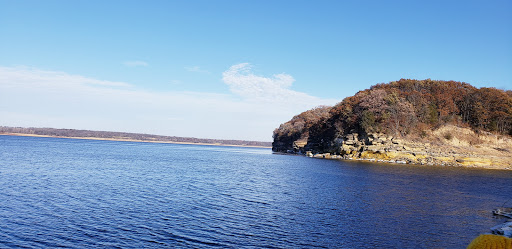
400,106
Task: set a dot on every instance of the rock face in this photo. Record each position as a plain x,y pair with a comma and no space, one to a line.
381,147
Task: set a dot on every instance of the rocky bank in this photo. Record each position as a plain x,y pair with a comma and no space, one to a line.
446,146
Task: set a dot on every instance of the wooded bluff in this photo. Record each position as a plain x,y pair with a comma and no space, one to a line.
401,110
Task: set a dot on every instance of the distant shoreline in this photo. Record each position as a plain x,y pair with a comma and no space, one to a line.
131,140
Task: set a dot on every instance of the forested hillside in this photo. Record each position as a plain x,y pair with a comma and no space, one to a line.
404,108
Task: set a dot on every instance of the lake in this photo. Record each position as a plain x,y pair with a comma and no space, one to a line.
57,192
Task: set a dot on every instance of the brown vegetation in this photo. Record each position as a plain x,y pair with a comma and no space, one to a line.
405,109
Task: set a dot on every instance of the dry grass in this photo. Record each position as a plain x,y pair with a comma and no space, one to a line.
471,149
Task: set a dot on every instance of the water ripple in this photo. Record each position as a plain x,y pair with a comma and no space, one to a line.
104,194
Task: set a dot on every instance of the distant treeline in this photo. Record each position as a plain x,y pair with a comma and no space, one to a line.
124,135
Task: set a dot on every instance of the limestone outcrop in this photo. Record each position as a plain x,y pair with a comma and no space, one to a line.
381,147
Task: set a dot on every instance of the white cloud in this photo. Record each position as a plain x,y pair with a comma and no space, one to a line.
275,89
196,69
15,76
135,63
41,98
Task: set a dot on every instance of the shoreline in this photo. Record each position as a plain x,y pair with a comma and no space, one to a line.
368,159
462,148
132,140
399,161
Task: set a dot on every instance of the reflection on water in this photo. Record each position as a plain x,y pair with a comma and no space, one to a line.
76,193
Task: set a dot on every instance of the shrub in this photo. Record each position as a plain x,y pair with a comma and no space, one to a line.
448,136
423,134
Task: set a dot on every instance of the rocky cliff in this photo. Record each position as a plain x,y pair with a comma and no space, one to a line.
375,125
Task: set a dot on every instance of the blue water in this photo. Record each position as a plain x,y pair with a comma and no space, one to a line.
106,194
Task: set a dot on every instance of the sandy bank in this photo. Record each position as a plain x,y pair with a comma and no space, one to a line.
131,140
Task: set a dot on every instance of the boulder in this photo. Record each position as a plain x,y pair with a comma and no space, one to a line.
504,229
299,144
350,142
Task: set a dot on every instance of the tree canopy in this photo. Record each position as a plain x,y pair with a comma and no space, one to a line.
404,107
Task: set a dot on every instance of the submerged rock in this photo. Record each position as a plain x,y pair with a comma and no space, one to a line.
504,229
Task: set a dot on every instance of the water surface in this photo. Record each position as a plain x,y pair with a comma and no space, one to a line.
96,194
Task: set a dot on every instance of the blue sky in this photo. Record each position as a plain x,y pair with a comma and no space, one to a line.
231,69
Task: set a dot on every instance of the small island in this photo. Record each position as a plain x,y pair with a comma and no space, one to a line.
427,122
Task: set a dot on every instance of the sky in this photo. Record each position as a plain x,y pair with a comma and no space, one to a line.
231,69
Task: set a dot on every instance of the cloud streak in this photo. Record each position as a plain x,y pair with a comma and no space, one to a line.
135,63
196,69
15,76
